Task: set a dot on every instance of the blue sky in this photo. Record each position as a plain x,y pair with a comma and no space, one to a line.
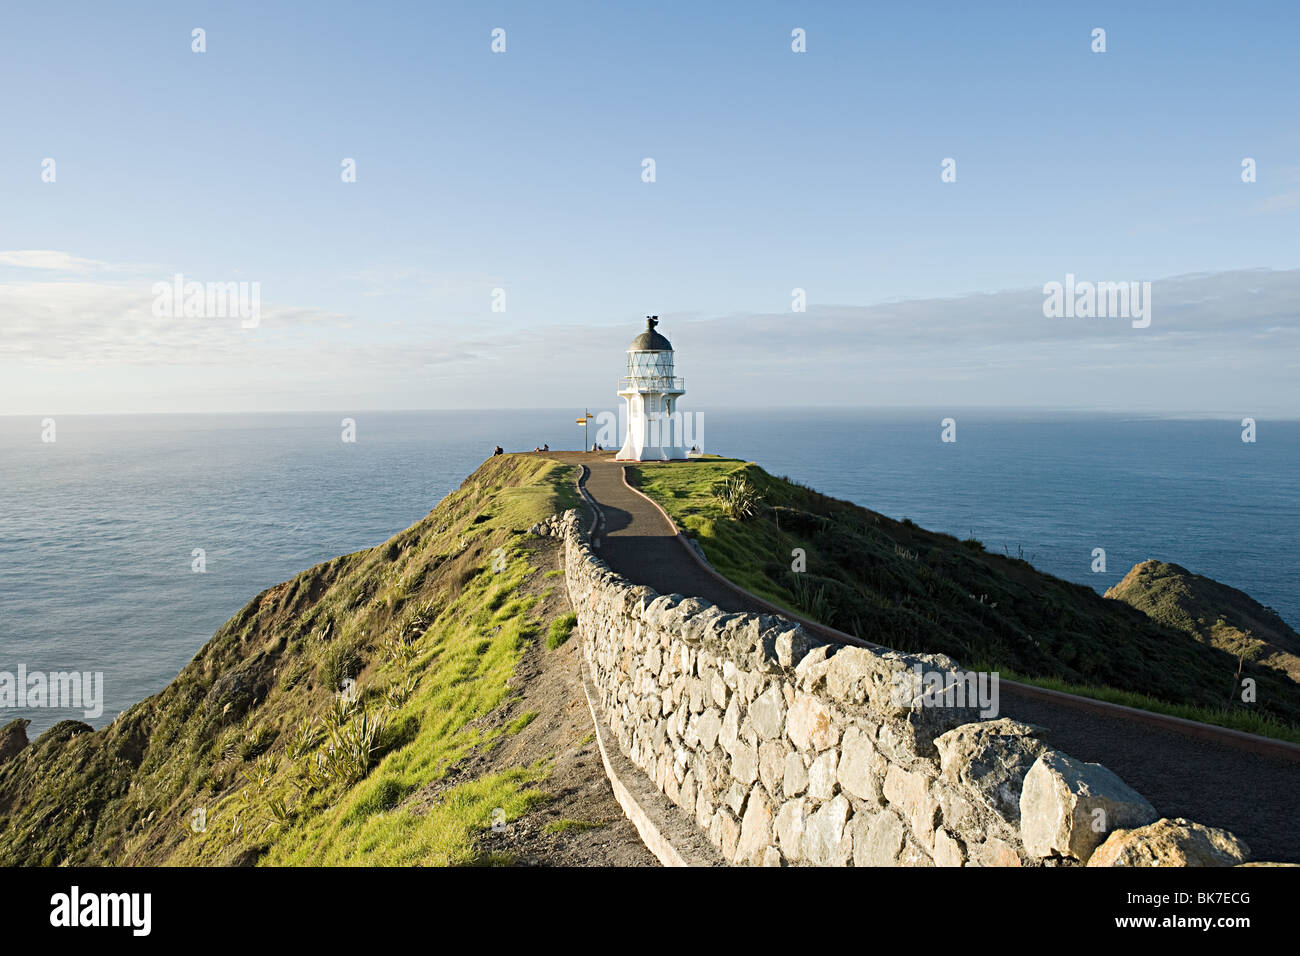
522,171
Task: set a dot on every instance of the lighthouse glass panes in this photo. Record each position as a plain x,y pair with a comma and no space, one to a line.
650,369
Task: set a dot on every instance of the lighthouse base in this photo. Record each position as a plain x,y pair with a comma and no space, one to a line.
629,452
655,430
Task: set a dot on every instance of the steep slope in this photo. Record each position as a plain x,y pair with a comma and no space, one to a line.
367,711
1213,613
914,590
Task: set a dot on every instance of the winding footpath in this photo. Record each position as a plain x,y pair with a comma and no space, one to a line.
1219,778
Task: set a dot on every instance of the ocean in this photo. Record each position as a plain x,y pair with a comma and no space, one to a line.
99,528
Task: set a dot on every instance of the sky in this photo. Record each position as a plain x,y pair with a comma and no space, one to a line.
523,171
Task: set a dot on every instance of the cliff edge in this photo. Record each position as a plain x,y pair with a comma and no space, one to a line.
416,703
1213,613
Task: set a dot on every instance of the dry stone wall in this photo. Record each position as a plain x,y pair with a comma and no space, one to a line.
789,750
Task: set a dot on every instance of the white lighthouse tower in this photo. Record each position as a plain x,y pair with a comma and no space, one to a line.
654,429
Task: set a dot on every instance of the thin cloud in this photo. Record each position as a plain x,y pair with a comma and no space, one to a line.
51,260
79,324
977,349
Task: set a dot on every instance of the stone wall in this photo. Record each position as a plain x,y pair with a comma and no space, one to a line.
786,749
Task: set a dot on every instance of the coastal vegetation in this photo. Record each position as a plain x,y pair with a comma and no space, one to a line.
1213,613
896,584
355,714
561,628
319,725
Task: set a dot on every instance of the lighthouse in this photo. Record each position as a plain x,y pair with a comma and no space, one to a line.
654,426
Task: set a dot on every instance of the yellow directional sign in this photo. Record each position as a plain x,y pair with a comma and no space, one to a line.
586,417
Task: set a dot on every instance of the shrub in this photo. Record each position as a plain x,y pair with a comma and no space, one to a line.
339,662
398,692
812,599
739,499
261,773
257,743
302,740
349,753
422,618
399,645
340,711
295,673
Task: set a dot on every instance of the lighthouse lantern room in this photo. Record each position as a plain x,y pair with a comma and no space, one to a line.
651,390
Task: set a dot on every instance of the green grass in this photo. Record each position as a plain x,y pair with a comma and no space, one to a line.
430,626
560,630
475,659
520,722
896,584
1211,612
571,826
689,493
444,834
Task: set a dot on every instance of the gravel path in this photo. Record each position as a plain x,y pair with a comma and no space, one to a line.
1253,795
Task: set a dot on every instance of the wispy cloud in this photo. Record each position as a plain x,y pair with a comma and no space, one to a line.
1231,332
51,260
90,323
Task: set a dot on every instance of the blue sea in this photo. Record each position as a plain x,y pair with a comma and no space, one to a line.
98,528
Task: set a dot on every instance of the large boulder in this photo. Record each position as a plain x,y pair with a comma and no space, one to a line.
1168,842
1068,807
992,758
235,692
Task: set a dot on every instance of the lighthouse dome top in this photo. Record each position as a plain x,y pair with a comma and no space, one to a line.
650,340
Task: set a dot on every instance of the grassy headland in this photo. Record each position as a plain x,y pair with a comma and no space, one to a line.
914,590
319,724
1213,613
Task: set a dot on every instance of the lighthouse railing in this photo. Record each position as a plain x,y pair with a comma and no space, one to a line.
651,383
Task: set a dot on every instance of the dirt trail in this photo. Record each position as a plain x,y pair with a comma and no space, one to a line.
581,824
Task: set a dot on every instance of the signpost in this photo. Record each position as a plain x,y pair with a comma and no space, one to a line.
583,422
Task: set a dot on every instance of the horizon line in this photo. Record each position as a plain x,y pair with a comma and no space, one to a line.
1195,414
